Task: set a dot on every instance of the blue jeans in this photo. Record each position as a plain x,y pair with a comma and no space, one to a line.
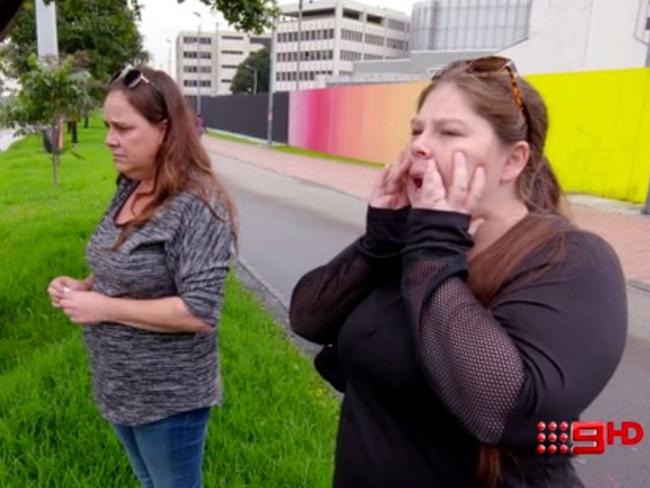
167,453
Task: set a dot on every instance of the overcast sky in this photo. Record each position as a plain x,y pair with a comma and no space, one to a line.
163,19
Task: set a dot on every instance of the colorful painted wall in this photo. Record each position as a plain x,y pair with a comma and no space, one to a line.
599,140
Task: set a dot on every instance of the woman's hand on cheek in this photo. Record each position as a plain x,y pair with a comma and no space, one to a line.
462,195
389,190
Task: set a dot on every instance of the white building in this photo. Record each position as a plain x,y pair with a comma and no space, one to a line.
213,61
542,36
335,33
450,25
442,31
582,35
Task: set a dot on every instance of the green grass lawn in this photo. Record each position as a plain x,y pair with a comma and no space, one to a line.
278,423
296,150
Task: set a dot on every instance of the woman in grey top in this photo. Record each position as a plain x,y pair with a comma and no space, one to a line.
159,258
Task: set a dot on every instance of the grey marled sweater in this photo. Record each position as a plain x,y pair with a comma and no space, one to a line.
184,250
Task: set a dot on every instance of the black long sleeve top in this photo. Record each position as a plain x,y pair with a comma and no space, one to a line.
431,373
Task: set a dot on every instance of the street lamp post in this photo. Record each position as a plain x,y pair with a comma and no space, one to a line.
299,40
647,28
46,38
646,208
272,69
198,65
300,5
248,66
48,51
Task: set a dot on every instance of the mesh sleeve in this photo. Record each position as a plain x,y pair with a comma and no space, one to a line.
502,370
467,357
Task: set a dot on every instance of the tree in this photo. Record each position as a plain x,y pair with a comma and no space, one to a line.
101,34
49,93
246,15
244,79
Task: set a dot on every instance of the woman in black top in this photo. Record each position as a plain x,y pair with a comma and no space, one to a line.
472,308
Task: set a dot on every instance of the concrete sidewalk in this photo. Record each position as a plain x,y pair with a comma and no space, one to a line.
620,224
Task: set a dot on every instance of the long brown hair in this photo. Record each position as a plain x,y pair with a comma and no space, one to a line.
491,97
181,163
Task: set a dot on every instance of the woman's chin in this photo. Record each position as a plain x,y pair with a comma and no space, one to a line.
412,198
413,193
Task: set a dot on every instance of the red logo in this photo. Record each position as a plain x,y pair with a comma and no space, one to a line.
585,437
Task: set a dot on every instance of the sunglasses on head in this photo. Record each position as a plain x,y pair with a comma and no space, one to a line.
490,66
130,76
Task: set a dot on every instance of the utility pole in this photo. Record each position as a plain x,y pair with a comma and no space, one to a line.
272,69
169,57
48,52
299,40
248,66
198,65
646,208
46,37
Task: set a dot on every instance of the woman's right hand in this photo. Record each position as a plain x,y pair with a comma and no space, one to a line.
389,191
60,285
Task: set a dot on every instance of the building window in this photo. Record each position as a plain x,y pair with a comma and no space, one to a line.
351,14
396,25
229,66
205,55
232,38
350,56
350,35
206,83
236,53
226,81
206,40
395,43
374,19
375,40
189,54
189,82
195,69
189,40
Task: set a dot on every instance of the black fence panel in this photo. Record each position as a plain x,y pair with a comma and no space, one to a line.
246,114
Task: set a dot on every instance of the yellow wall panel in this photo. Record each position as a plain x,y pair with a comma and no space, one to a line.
599,139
